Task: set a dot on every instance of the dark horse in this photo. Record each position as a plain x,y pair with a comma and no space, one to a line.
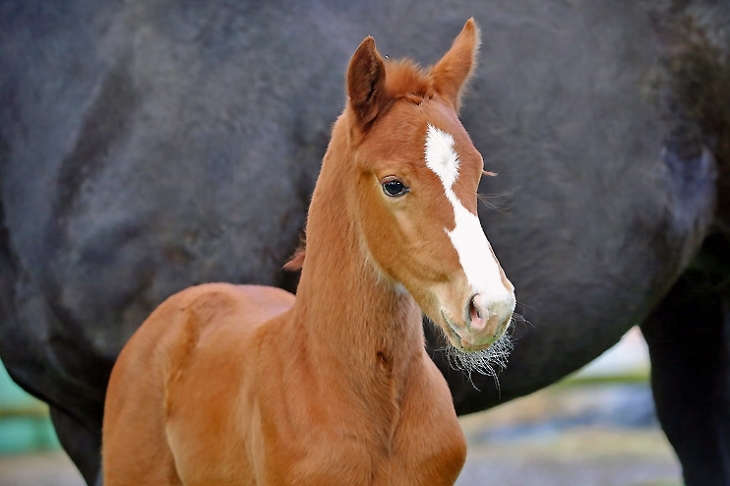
145,146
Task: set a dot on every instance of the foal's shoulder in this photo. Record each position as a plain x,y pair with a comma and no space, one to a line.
216,319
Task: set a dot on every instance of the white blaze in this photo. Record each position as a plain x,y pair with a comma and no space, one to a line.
471,244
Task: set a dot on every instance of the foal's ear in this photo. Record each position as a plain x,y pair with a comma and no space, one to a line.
452,72
366,81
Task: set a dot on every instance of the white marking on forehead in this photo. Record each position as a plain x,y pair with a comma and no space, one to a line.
471,244
440,155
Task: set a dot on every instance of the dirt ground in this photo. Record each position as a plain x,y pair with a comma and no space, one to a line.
595,435
580,435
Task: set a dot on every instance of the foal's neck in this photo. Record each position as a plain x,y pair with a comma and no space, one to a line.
351,313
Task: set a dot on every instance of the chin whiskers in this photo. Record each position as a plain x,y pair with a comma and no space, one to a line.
488,362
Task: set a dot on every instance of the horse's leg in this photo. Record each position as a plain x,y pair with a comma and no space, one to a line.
82,442
689,345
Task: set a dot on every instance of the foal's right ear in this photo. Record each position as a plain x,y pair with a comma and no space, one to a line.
452,72
366,82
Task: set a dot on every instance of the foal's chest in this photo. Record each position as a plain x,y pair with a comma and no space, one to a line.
420,443
347,460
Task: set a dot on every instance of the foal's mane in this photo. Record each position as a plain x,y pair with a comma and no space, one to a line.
405,79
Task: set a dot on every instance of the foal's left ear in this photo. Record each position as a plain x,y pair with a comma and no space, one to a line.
452,72
366,82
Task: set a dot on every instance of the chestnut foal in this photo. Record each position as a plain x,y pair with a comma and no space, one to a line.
245,385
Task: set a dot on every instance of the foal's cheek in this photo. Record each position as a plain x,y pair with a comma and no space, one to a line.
382,228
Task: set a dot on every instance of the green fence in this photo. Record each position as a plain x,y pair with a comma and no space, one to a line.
24,422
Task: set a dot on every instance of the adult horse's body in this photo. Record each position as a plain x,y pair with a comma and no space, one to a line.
138,142
233,385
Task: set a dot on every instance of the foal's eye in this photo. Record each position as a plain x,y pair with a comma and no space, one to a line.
395,188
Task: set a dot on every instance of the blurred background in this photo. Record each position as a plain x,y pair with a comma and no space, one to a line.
595,428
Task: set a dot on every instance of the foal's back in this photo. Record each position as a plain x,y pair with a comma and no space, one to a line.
177,338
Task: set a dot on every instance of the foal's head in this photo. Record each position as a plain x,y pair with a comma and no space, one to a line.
417,174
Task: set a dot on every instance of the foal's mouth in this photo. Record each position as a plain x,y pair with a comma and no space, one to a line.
462,338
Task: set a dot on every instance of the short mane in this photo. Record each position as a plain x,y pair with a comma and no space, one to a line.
404,78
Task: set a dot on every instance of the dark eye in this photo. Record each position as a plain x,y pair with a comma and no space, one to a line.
395,188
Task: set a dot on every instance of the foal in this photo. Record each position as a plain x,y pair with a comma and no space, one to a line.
245,385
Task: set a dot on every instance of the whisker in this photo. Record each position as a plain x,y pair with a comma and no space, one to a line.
502,202
518,318
486,362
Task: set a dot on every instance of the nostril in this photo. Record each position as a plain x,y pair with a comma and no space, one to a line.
476,316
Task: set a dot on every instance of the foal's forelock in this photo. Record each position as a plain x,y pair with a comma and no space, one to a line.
472,247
